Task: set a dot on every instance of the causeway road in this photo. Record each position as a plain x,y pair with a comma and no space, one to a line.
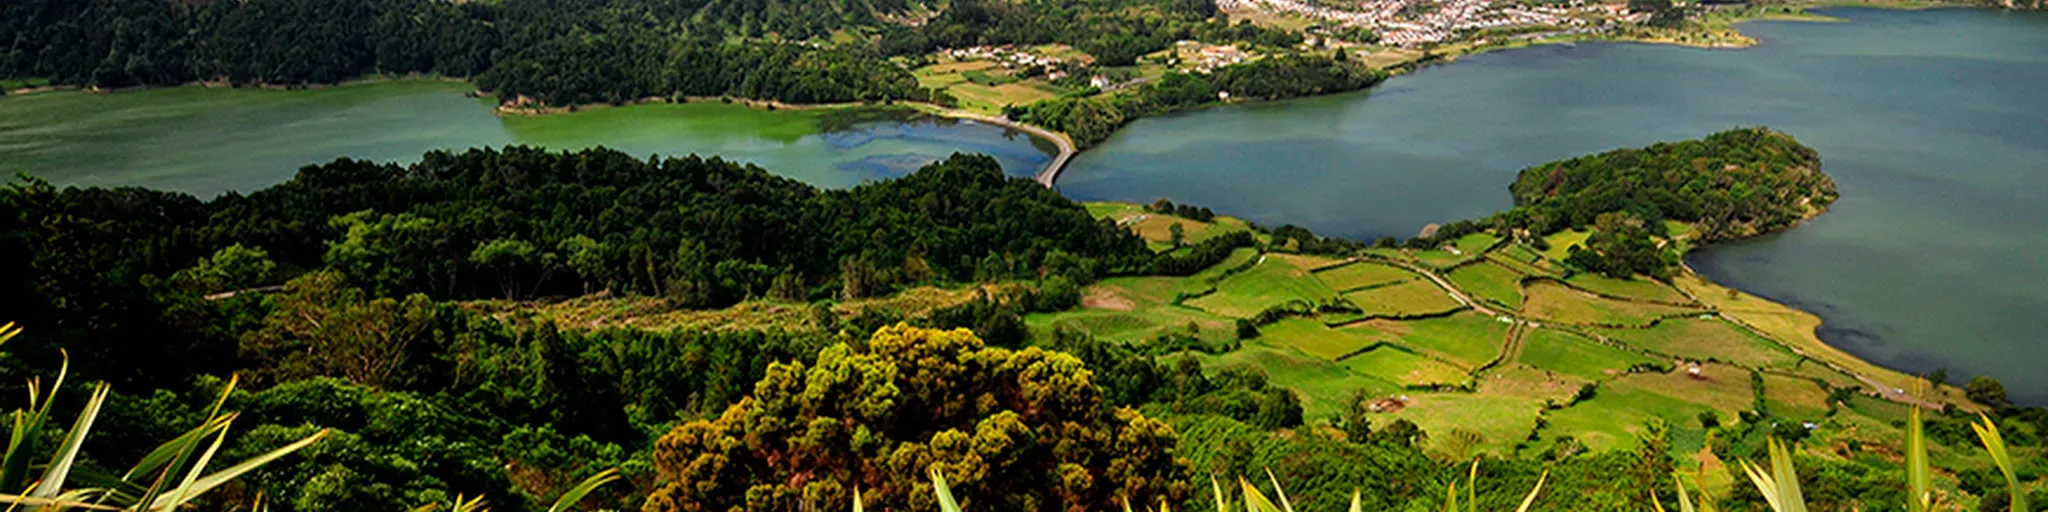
1051,172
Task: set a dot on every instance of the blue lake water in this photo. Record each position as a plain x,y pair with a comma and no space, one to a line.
1933,123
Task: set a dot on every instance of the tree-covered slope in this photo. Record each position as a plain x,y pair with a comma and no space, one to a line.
1734,184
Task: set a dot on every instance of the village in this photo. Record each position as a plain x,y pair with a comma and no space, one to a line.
1412,23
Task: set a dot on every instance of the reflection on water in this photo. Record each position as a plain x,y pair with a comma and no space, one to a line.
208,141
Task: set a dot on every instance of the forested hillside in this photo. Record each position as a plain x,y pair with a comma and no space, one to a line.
1734,184
1091,120
519,223
561,53
1730,185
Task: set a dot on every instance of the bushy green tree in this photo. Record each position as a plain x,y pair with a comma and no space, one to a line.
1024,430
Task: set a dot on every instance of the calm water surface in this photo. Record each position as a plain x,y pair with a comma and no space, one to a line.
1934,124
208,141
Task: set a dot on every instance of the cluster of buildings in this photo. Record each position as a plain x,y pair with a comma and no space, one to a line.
1011,57
1207,58
1441,22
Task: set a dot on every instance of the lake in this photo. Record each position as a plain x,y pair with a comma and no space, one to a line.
208,141
1933,123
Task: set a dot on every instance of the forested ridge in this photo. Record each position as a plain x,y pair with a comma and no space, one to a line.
567,53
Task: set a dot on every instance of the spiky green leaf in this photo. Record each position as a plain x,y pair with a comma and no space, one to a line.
1531,499
1994,443
177,497
946,503
576,494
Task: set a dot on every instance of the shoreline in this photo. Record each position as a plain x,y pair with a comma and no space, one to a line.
1752,311
1046,176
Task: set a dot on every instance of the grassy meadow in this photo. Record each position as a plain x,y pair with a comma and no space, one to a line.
1571,355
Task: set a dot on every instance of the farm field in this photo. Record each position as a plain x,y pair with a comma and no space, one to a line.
1468,339
1404,367
1796,328
1561,243
1498,421
1616,413
1523,259
1639,288
1557,303
1575,355
1507,369
1314,338
1323,386
1417,297
1157,229
1707,338
1795,398
1476,243
1490,282
1363,274
1270,282
1441,259
982,86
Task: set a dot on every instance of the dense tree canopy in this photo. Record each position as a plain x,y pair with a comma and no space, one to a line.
1091,119
1733,184
1115,32
563,53
1013,430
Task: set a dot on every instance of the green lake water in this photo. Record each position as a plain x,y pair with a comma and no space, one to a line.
207,141
1934,124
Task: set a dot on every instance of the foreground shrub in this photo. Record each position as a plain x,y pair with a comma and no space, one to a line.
1015,430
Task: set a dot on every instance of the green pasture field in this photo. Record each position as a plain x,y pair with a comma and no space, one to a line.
1528,382
1571,354
1400,366
1638,288
1363,274
1268,283
1524,260
1488,281
1561,243
1501,420
1323,386
1316,339
1418,297
1613,418
1795,398
1441,259
1468,339
1557,303
1475,244
1707,338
